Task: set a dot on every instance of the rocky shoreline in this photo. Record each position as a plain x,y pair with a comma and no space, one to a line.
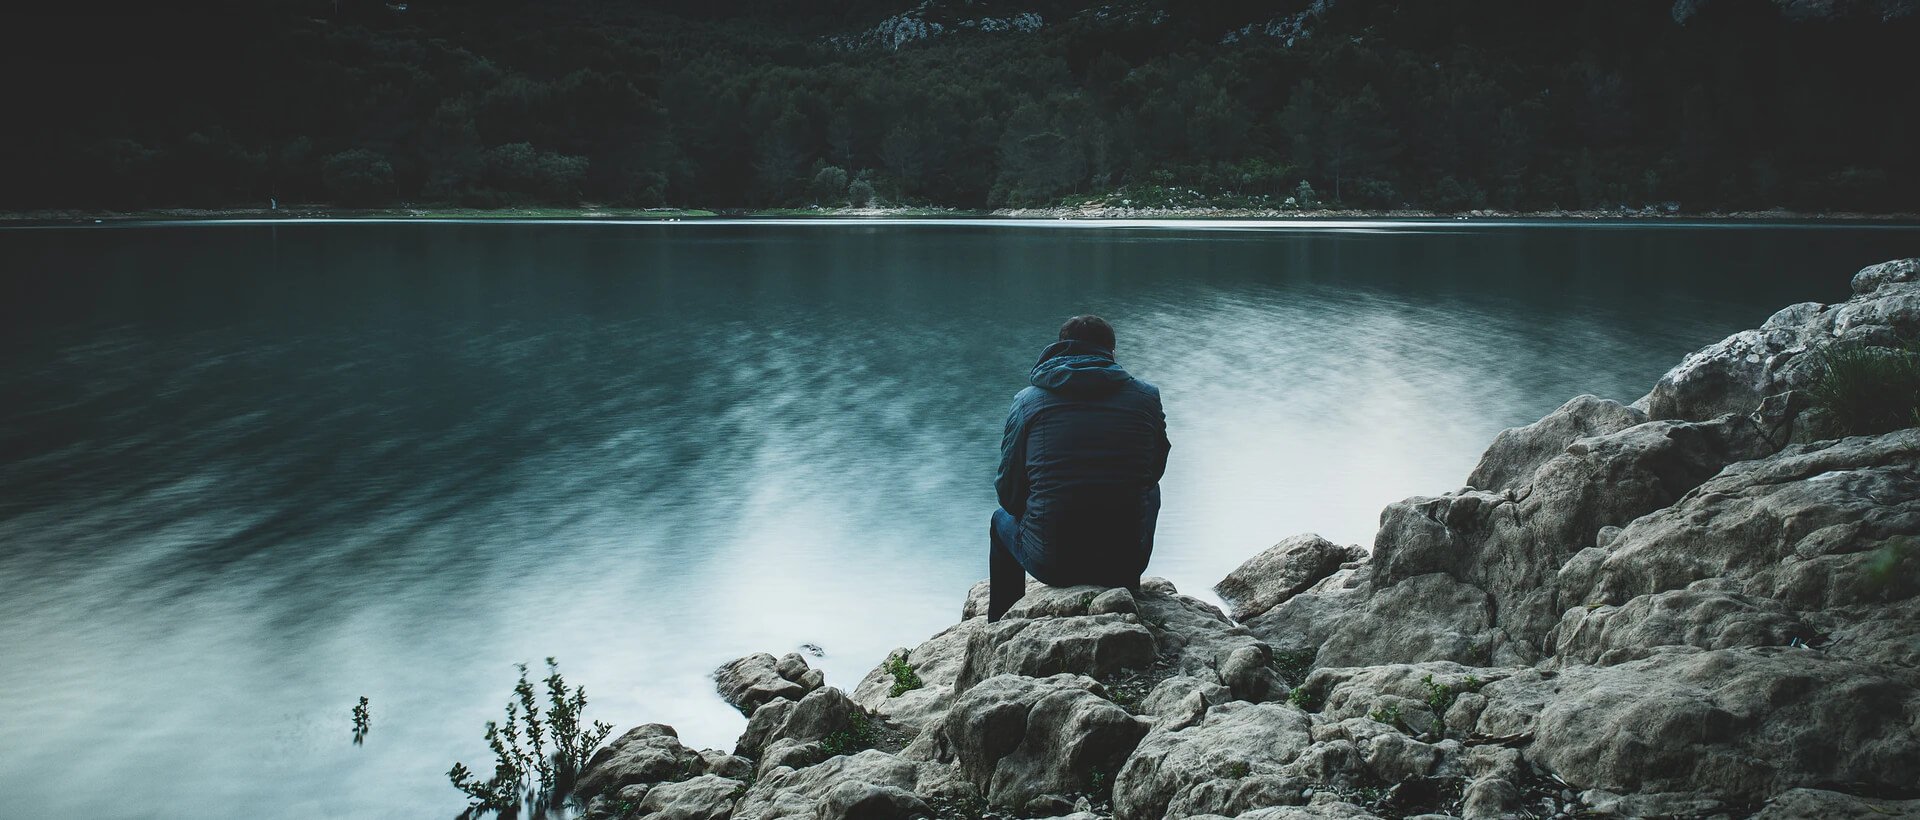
1679,607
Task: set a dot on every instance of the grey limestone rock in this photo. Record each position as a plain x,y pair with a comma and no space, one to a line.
1282,571
1513,545
1517,452
1426,618
1306,620
1699,616
840,784
1182,700
1736,373
790,733
750,682
937,662
1798,528
1731,724
707,797
1804,804
1235,741
1872,277
646,754
1094,645
1017,738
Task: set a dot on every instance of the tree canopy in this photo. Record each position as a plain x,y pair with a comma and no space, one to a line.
1445,104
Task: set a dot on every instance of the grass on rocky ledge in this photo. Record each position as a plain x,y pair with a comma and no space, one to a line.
1867,390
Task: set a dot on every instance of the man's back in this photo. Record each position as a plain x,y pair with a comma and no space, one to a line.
1081,461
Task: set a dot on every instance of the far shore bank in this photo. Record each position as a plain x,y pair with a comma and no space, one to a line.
1093,211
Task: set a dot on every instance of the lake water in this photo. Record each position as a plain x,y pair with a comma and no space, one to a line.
250,473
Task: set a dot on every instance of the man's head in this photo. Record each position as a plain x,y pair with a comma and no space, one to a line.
1090,329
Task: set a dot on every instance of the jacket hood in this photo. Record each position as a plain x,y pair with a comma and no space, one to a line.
1074,368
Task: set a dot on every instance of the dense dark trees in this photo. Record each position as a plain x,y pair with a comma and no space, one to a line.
1446,104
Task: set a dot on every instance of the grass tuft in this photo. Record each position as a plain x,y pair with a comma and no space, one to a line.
1867,390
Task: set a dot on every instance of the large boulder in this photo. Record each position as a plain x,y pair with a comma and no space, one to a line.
936,663
799,733
707,797
1282,571
1517,452
1416,695
1426,618
871,785
751,682
1234,760
1700,616
1800,528
1732,724
1017,738
1872,277
1305,621
1735,374
1092,645
1799,804
645,755
1514,544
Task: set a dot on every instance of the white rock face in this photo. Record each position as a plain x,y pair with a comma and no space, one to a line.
1282,571
1732,724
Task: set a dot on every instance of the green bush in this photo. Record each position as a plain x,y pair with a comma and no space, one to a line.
860,193
538,773
859,734
1867,390
904,678
829,186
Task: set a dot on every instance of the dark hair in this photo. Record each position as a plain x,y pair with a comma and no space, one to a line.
1090,329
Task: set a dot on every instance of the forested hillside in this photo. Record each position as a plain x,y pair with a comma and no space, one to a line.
1442,104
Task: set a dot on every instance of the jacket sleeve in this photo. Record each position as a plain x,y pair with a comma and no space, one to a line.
1164,445
1011,481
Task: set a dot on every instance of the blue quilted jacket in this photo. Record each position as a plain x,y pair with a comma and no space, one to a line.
1080,465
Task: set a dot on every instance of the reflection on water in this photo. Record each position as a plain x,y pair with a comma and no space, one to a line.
252,473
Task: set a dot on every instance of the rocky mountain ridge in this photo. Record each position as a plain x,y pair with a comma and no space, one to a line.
1694,605
1283,21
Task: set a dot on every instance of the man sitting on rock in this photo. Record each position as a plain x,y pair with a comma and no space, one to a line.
1080,467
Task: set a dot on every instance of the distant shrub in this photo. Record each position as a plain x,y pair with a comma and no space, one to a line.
1865,390
829,185
860,193
1304,196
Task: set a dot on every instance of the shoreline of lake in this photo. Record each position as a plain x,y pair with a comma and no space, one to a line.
1090,211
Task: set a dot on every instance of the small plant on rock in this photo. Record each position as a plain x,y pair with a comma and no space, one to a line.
904,678
537,754
1390,715
1307,698
1440,696
859,734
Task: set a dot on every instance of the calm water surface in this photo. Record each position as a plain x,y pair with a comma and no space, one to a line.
250,473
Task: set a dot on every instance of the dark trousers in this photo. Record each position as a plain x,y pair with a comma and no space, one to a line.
1007,578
